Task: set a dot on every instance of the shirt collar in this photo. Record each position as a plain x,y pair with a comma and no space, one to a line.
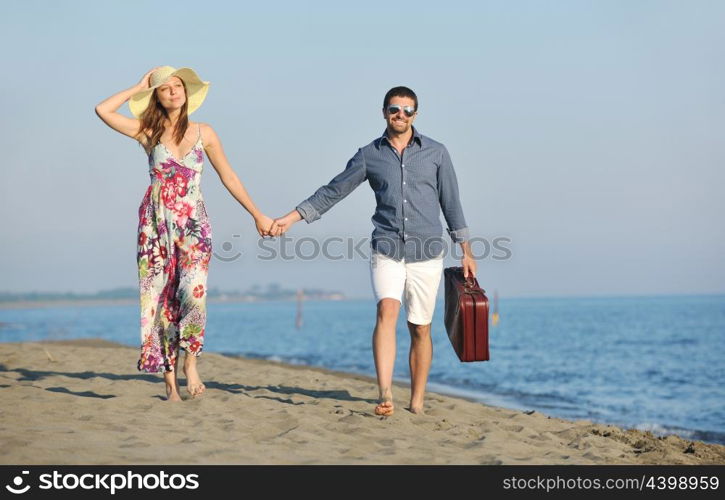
417,137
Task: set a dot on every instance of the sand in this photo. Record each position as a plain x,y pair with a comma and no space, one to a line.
83,402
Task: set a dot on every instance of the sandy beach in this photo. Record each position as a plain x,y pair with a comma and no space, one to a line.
83,402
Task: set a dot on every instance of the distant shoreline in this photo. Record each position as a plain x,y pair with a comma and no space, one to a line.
332,297
31,304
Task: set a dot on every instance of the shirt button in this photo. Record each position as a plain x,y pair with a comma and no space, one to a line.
405,201
403,166
403,182
406,218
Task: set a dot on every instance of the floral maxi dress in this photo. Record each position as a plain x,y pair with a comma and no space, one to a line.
174,249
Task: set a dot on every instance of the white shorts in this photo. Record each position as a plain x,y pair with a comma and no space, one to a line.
417,282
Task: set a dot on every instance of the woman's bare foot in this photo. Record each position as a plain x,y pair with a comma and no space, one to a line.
194,385
172,386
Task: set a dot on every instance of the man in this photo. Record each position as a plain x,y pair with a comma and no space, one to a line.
413,179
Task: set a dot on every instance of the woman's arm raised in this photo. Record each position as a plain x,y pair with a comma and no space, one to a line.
215,152
108,109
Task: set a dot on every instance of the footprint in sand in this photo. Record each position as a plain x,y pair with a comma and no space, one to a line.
539,437
475,444
137,444
475,434
443,425
593,456
352,418
579,445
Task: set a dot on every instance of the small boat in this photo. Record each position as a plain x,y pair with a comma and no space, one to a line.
298,318
494,316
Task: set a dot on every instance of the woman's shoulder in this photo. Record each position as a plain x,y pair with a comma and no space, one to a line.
203,126
207,132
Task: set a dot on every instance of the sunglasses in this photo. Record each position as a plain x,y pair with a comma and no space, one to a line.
393,109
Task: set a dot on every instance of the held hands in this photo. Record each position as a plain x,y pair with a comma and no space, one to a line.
263,224
266,226
283,224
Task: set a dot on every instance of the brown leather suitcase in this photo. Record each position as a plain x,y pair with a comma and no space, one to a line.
466,315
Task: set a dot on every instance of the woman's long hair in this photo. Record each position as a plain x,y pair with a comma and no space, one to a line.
152,122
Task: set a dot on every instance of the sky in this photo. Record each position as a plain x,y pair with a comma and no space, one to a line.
587,136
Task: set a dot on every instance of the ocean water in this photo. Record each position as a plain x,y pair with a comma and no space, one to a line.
652,363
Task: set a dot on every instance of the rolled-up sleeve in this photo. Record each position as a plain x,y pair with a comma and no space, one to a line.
328,195
450,200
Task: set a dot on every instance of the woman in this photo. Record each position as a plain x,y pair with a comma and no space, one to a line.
174,235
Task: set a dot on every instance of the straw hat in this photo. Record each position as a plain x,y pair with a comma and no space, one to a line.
196,89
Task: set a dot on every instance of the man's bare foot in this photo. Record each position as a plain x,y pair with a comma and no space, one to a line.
194,385
385,408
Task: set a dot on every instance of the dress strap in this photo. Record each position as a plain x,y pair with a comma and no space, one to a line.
198,126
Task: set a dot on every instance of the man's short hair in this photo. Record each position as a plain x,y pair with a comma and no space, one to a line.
400,92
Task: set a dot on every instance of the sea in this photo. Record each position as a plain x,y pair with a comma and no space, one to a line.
650,363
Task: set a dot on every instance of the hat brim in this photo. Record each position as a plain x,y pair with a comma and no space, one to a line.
196,90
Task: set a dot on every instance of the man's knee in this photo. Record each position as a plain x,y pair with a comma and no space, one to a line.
388,310
419,332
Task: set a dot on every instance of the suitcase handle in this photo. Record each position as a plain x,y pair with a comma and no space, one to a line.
470,285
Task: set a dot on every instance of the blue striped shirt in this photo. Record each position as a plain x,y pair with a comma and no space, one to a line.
410,190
